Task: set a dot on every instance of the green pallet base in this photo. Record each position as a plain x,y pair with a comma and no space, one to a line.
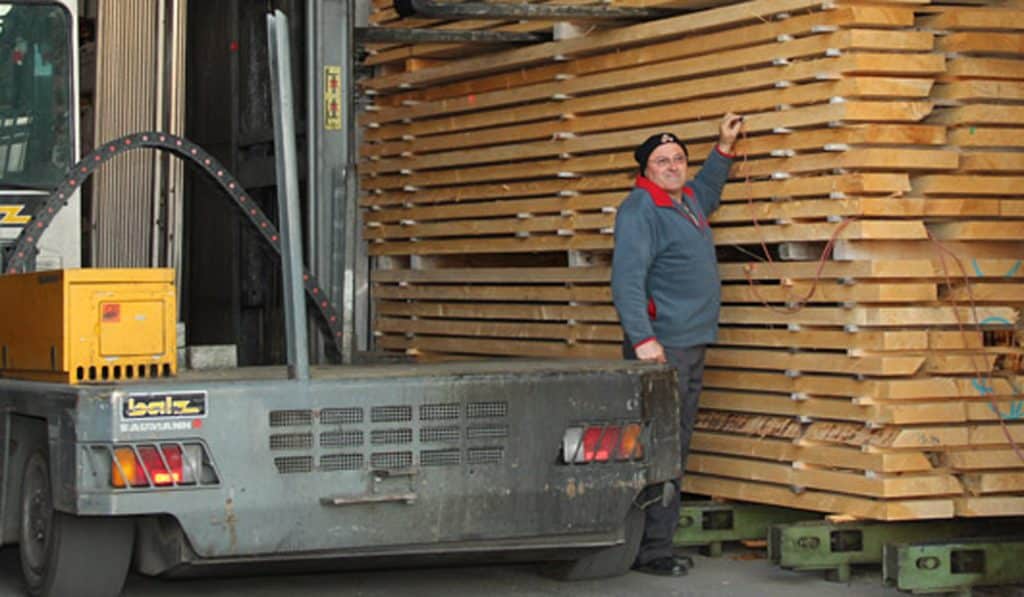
836,546
954,566
709,524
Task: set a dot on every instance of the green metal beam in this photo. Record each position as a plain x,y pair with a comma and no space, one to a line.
708,524
955,566
835,546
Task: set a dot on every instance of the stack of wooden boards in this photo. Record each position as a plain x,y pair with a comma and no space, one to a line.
870,240
397,57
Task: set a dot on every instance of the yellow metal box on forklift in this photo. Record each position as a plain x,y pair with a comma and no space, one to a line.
88,325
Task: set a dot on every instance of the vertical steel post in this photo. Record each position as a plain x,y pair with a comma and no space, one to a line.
286,163
335,251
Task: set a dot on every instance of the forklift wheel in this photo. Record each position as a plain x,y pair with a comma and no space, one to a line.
611,561
63,554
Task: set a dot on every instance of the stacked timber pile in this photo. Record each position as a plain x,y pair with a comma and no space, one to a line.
869,241
397,57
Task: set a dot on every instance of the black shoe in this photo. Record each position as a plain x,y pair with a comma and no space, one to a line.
684,561
662,567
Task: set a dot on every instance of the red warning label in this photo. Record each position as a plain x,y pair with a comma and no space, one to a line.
111,312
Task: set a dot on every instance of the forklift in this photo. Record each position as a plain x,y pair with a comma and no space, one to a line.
114,458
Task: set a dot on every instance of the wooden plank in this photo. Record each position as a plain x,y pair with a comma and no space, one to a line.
410,195
745,13
972,67
965,19
869,316
798,338
856,183
986,293
919,437
968,184
748,92
839,185
865,229
994,482
977,90
979,459
896,486
857,293
680,79
1003,505
453,228
852,112
988,42
978,230
787,451
819,501
980,114
818,362
499,274
843,410
930,388
407,154
858,250
495,293
997,162
996,434
463,210
500,311
986,137
919,269
758,426
477,346
500,91
730,294
491,329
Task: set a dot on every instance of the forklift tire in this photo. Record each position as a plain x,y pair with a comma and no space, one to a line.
62,554
608,562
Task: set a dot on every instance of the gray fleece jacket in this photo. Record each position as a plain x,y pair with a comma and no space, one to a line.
665,282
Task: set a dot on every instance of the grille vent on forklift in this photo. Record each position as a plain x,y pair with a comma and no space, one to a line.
118,372
350,439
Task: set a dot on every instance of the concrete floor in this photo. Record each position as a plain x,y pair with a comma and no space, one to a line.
740,572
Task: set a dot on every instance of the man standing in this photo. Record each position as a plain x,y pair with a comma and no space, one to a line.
667,292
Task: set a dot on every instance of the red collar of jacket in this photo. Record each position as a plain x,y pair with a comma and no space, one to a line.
662,199
658,194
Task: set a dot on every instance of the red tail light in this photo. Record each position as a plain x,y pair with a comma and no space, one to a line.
599,443
148,467
602,443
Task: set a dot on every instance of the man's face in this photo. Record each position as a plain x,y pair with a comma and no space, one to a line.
667,168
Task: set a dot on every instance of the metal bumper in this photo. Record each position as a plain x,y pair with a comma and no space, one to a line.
371,465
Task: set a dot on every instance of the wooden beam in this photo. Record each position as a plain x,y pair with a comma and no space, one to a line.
817,362
747,12
895,486
504,347
968,185
988,42
820,501
962,18
865,389
787,451
499,311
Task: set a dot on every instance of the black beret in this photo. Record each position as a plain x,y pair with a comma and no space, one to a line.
646,148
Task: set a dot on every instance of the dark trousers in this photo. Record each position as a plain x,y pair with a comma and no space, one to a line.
661,512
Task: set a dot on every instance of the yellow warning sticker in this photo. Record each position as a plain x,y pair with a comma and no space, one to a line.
332,98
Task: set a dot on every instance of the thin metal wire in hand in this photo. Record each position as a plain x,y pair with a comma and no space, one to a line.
21,257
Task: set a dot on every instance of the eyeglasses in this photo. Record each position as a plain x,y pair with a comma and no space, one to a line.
663,162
